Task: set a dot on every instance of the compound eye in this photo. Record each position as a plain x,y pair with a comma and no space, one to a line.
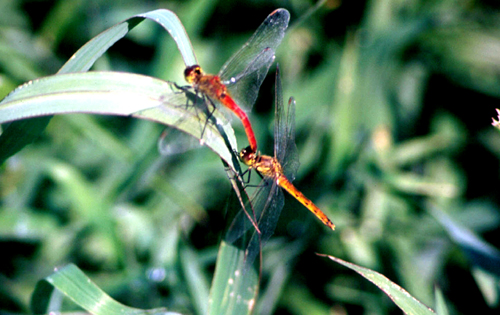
247,155
246,151
242,154
191,73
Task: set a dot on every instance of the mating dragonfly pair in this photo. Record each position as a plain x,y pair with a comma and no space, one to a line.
237,86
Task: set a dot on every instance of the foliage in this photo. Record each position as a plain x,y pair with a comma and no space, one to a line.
390,148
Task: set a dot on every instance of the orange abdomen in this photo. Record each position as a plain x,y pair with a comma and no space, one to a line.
284,183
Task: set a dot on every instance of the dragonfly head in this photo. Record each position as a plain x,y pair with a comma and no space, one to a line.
248,156
192,73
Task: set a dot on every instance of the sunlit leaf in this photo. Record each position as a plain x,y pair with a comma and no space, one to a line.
21,133
234,289
124,94
236,280
73,283
398,295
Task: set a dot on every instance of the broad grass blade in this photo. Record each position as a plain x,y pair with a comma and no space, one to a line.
122,94
235,287
74,284
21,133
407,303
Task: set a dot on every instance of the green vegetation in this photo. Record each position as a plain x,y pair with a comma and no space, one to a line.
393,119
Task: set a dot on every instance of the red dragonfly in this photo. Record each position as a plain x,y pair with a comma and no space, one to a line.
239,80
277,171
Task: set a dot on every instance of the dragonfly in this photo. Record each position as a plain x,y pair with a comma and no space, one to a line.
238,82
278,172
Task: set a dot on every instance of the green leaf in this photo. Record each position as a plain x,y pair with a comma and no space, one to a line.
480,253
124,94
168,20
484,257
234,288
73,283
236,280
407,303
441,308
489,285
21,133
85,57
193,272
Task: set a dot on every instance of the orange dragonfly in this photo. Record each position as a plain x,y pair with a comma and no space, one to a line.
277,171
239,80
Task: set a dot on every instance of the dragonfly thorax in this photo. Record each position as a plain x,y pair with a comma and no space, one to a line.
212,86
208,84
266,165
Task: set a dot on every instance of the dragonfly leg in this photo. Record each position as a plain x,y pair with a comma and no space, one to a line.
182,88
209,112
191,96
247,181
249,172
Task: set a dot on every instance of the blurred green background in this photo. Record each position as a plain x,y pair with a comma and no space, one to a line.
394,107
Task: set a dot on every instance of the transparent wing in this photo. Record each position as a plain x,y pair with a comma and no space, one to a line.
172,141
268,35
290,163
285,149
192,114
244,217
250,64
268,204
279,120
244,88
240,217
